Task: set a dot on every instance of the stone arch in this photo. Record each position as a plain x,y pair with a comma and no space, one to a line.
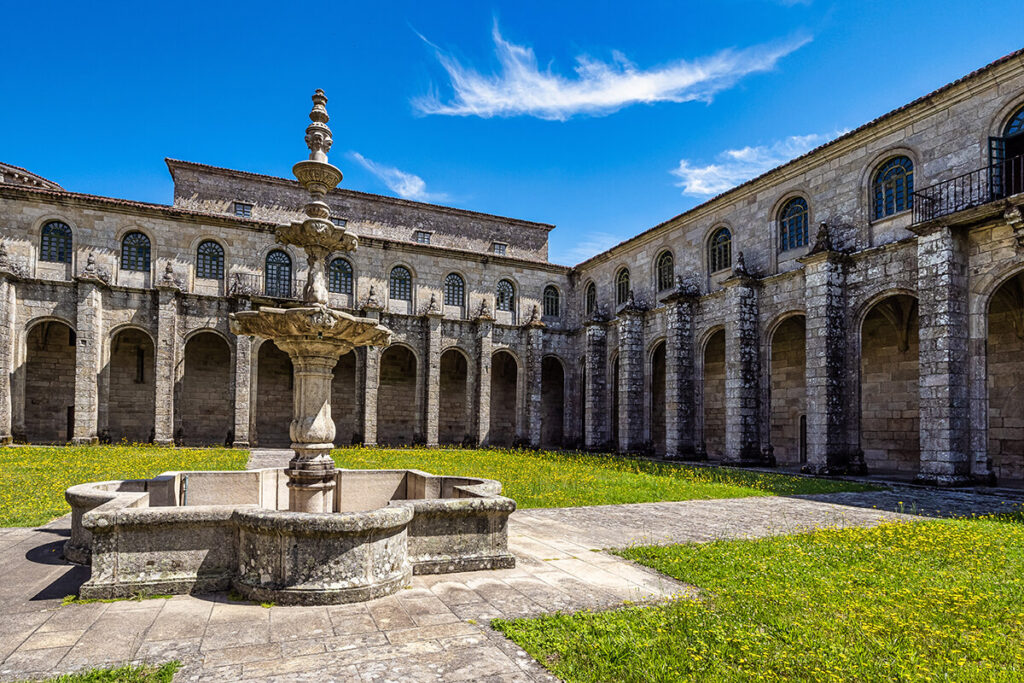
875,163
504,418
889,383
274,396
712,392
787,387
345,400
397,397
552,396
455,405
50,356
204,392
1004,378
130,385
657,359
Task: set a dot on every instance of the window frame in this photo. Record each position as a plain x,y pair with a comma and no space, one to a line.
452,282
402,286
622,286
133,255
659,270
788,223
60,245
499,248
551,300
590,298
274,291
242,209
885,192
422,236
216,261
509,297
344,278
716,247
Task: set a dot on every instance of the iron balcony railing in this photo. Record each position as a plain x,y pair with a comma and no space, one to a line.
978,187
256,284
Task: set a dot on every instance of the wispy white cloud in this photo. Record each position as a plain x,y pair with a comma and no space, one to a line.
735,166
594,243
405,185
522,88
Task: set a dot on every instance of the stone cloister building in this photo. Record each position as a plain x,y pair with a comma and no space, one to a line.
860,308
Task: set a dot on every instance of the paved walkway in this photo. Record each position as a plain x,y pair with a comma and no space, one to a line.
436,630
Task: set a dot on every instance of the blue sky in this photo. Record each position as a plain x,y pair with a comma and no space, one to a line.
603,118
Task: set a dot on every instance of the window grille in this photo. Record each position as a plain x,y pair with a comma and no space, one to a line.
339,276
135,252
454,290
894,187
793,230
210,261
720,250
243,210
552,304
55,243
500,248
422,237
401,284
506,295
278,275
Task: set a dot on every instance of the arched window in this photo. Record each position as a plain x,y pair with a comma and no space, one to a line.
506,296
552,303
793,224
55,243
1016,125
278,279
622,286
893,186
401,284
720,250
454,290
210,261
590,299
135,252
665,266
339,276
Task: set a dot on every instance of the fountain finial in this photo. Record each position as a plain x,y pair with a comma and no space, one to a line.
318,134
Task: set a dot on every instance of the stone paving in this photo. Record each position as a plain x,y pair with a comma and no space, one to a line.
436,630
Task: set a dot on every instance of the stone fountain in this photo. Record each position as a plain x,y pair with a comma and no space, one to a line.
309,533
313,335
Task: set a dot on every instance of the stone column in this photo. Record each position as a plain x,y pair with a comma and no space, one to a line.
680,427
485,327
88,357
534,379
828,447
432,375
165,360
243,387
595,402
631,378
7,354
370,382
943,360
742,372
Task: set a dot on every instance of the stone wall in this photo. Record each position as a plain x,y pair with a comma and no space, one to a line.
504,399
204,395
552,403
454,410
714,396
49,382
788,389
131,391
397,401
345,400
1006,382
273,397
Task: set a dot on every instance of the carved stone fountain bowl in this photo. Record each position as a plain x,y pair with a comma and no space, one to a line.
196,532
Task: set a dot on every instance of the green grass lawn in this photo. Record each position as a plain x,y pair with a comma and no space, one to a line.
541,479
124,674
927,601
33,478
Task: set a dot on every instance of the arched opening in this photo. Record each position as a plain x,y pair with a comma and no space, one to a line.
345,402
1005,347
274,385
504,399
552,399
205,414
713,394
889,390
50,383
613,412
131,388
658,398
396,397
453,421
788,406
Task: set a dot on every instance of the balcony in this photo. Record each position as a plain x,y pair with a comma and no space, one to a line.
255,285
970,190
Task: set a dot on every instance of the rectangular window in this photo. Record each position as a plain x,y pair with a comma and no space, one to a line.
243,210
499,248
422,236
339,221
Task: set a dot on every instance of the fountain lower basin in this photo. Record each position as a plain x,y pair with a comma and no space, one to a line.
195,532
